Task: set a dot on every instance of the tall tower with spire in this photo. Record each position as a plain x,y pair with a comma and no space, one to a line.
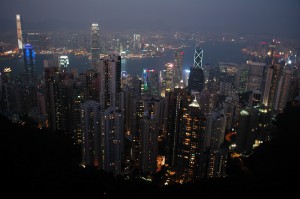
196,78
19,32
95,44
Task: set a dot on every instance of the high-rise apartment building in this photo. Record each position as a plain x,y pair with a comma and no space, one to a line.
112,140
90,128
51,71
174,106
110,81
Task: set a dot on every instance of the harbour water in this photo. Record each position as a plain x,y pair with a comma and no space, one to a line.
213,52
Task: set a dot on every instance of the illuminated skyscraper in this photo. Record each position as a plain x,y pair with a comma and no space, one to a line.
63,62
151,82
178,65
95,44
196,78
190,142
198,57
186,75
162,77
136,45
19,32
29,62
169,78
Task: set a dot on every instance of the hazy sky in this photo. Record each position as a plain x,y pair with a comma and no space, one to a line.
277,17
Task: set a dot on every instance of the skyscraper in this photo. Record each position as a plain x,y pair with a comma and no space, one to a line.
174,107
63,62
273,74
90,128
255,75
29,63
169,78
189,142
136,44
110,81
196,78
112,140
19,32
51,71
95,44
198,57
283,89
178,65
149,127
185,76
151,82
247,130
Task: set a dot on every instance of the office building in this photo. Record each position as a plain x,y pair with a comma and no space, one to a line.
63,63
255,75
151,82
29,63
95,45
272,77
196,78
190,142
169,77
178,65
19,32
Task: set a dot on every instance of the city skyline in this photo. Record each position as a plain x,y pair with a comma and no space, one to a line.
209,107
275,18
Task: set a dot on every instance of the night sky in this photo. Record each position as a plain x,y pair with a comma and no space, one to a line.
275,17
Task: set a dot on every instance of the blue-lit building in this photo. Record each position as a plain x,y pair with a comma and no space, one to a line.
29,63
178,65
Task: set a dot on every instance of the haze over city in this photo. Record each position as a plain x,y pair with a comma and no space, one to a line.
274,17
149,99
